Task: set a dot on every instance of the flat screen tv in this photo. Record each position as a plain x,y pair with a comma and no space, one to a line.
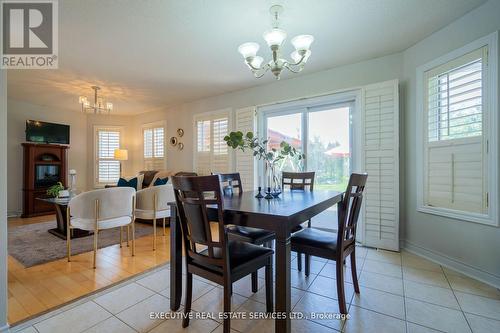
39,131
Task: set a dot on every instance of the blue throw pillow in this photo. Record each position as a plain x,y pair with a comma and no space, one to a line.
122,182
160,181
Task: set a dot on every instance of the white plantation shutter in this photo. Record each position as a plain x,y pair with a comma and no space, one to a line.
245,121
211,154
107,168
381,162
154,147
454,170
220,156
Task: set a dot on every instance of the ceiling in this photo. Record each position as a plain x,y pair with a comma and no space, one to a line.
150,54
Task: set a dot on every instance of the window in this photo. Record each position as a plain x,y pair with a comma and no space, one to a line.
154,146
211,153
107,169
457,94
321,128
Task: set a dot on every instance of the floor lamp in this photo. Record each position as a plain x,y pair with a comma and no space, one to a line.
121,155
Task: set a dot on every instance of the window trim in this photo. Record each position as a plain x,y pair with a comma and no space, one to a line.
490,129
98,128
154,125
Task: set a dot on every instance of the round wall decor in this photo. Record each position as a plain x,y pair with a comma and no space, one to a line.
173,141
180,132
180,146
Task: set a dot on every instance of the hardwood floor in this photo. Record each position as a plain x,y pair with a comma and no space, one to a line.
34,290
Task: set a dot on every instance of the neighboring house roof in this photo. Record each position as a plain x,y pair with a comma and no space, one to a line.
339,151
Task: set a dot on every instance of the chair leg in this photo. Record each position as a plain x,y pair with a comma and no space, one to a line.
354,272
154,234
189,297
68,242
121,236
96,233
299,261
255,282
227,307
164,229
340,287
269,286
307,259
133,238
128,235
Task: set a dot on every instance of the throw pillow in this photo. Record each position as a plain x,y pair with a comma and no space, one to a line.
160,181
132,182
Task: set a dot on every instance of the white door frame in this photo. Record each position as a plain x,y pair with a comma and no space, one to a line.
4,327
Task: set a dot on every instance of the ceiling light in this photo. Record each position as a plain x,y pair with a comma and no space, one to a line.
274,39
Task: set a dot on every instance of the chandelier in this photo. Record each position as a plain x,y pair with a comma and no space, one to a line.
99,105
274,39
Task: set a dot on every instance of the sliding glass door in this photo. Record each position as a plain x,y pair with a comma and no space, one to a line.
324,134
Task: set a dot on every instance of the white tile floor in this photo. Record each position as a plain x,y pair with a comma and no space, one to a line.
400,292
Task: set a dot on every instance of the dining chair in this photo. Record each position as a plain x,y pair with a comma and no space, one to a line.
101,209
251,235
337,246
299,181
152,204
213,256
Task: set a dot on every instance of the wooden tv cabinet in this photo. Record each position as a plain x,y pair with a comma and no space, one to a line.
44,166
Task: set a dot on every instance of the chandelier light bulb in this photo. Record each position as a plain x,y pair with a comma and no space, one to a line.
109,106
296,56
248,50
257,62
274,37
302,42
82,99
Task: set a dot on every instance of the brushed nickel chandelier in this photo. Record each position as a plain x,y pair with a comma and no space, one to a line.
274,39
98,107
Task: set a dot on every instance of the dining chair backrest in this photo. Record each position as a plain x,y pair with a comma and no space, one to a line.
231,179
112,202
186,174
297,180
349,209
194,196
162,193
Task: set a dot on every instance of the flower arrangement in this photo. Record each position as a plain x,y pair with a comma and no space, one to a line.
272,157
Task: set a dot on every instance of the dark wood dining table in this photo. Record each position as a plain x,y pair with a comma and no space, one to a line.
279,215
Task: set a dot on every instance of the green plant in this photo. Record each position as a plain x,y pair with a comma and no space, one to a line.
54,190
237,140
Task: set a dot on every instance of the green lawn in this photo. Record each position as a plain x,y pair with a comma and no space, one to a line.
335,187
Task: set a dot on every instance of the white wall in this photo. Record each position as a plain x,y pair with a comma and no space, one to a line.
3,200
80,154
471,247
345,77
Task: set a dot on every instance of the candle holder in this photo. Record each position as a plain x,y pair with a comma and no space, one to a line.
259,195
268,193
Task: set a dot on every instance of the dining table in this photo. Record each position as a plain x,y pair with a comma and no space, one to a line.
280,215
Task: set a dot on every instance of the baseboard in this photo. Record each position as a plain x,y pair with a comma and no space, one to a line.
4,329
13,214
454,264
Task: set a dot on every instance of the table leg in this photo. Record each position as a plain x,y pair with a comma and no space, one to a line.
175,260
283,285
60,230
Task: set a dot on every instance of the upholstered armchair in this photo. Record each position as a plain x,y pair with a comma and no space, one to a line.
152,204
101,209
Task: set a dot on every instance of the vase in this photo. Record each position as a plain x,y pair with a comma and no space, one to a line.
273,188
